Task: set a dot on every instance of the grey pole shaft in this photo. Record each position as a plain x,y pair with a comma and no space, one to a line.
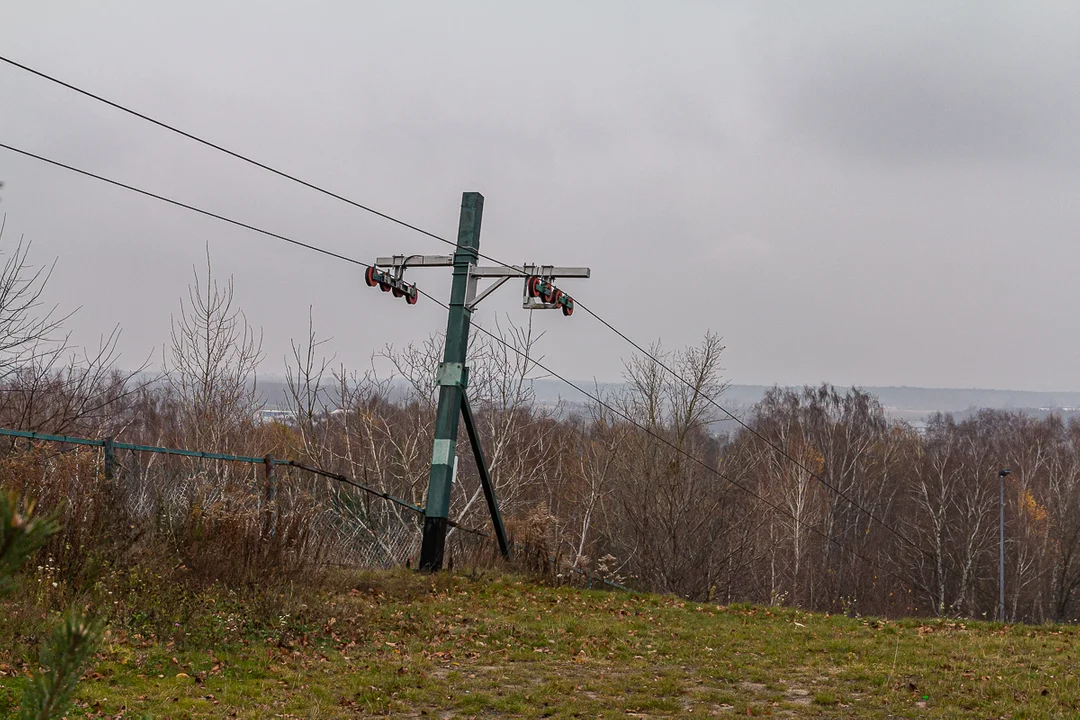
1001,550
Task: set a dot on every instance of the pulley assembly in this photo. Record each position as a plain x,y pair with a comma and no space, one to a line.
388,283
550,297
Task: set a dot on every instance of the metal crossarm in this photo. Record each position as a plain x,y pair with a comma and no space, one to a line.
544,271
407,261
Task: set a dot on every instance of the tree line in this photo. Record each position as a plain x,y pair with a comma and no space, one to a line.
818,500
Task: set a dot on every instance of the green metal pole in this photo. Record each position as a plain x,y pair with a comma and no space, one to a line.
452,378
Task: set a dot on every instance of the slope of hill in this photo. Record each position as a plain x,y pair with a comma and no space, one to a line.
405,645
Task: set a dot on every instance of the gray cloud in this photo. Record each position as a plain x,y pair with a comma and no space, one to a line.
878,193
985,83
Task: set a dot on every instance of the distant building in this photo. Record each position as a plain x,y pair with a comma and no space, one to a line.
286,417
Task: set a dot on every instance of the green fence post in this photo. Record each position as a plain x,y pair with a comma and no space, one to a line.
268,509
110,458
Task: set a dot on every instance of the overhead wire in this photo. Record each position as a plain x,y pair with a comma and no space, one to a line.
398,221
245,158
177,203
661,439
219,148
529,360
754,431
288,176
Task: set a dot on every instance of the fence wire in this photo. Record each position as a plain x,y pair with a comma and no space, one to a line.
159,485
156,484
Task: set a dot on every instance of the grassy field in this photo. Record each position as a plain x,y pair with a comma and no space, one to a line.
404,645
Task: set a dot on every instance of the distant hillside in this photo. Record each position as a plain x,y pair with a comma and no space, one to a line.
907,403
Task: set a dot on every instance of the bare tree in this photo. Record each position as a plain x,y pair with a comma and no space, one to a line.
309,381
64,391
211,363
517,436
1063,504
28,329
670,517
48,385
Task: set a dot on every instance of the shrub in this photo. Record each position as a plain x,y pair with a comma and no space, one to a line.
48,694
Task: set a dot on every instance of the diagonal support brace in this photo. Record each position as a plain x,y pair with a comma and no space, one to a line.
485,478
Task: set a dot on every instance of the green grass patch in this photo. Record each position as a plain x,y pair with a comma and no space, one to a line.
400,644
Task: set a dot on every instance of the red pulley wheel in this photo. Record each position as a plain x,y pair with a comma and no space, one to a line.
369,277
533,286
559,295
385,286
568,308
398,292
412,297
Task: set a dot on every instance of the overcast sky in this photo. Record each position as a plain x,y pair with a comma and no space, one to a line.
863,193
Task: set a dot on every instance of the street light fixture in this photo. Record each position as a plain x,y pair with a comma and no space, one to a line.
1001,558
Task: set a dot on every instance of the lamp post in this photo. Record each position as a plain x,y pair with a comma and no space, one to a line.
1001,557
